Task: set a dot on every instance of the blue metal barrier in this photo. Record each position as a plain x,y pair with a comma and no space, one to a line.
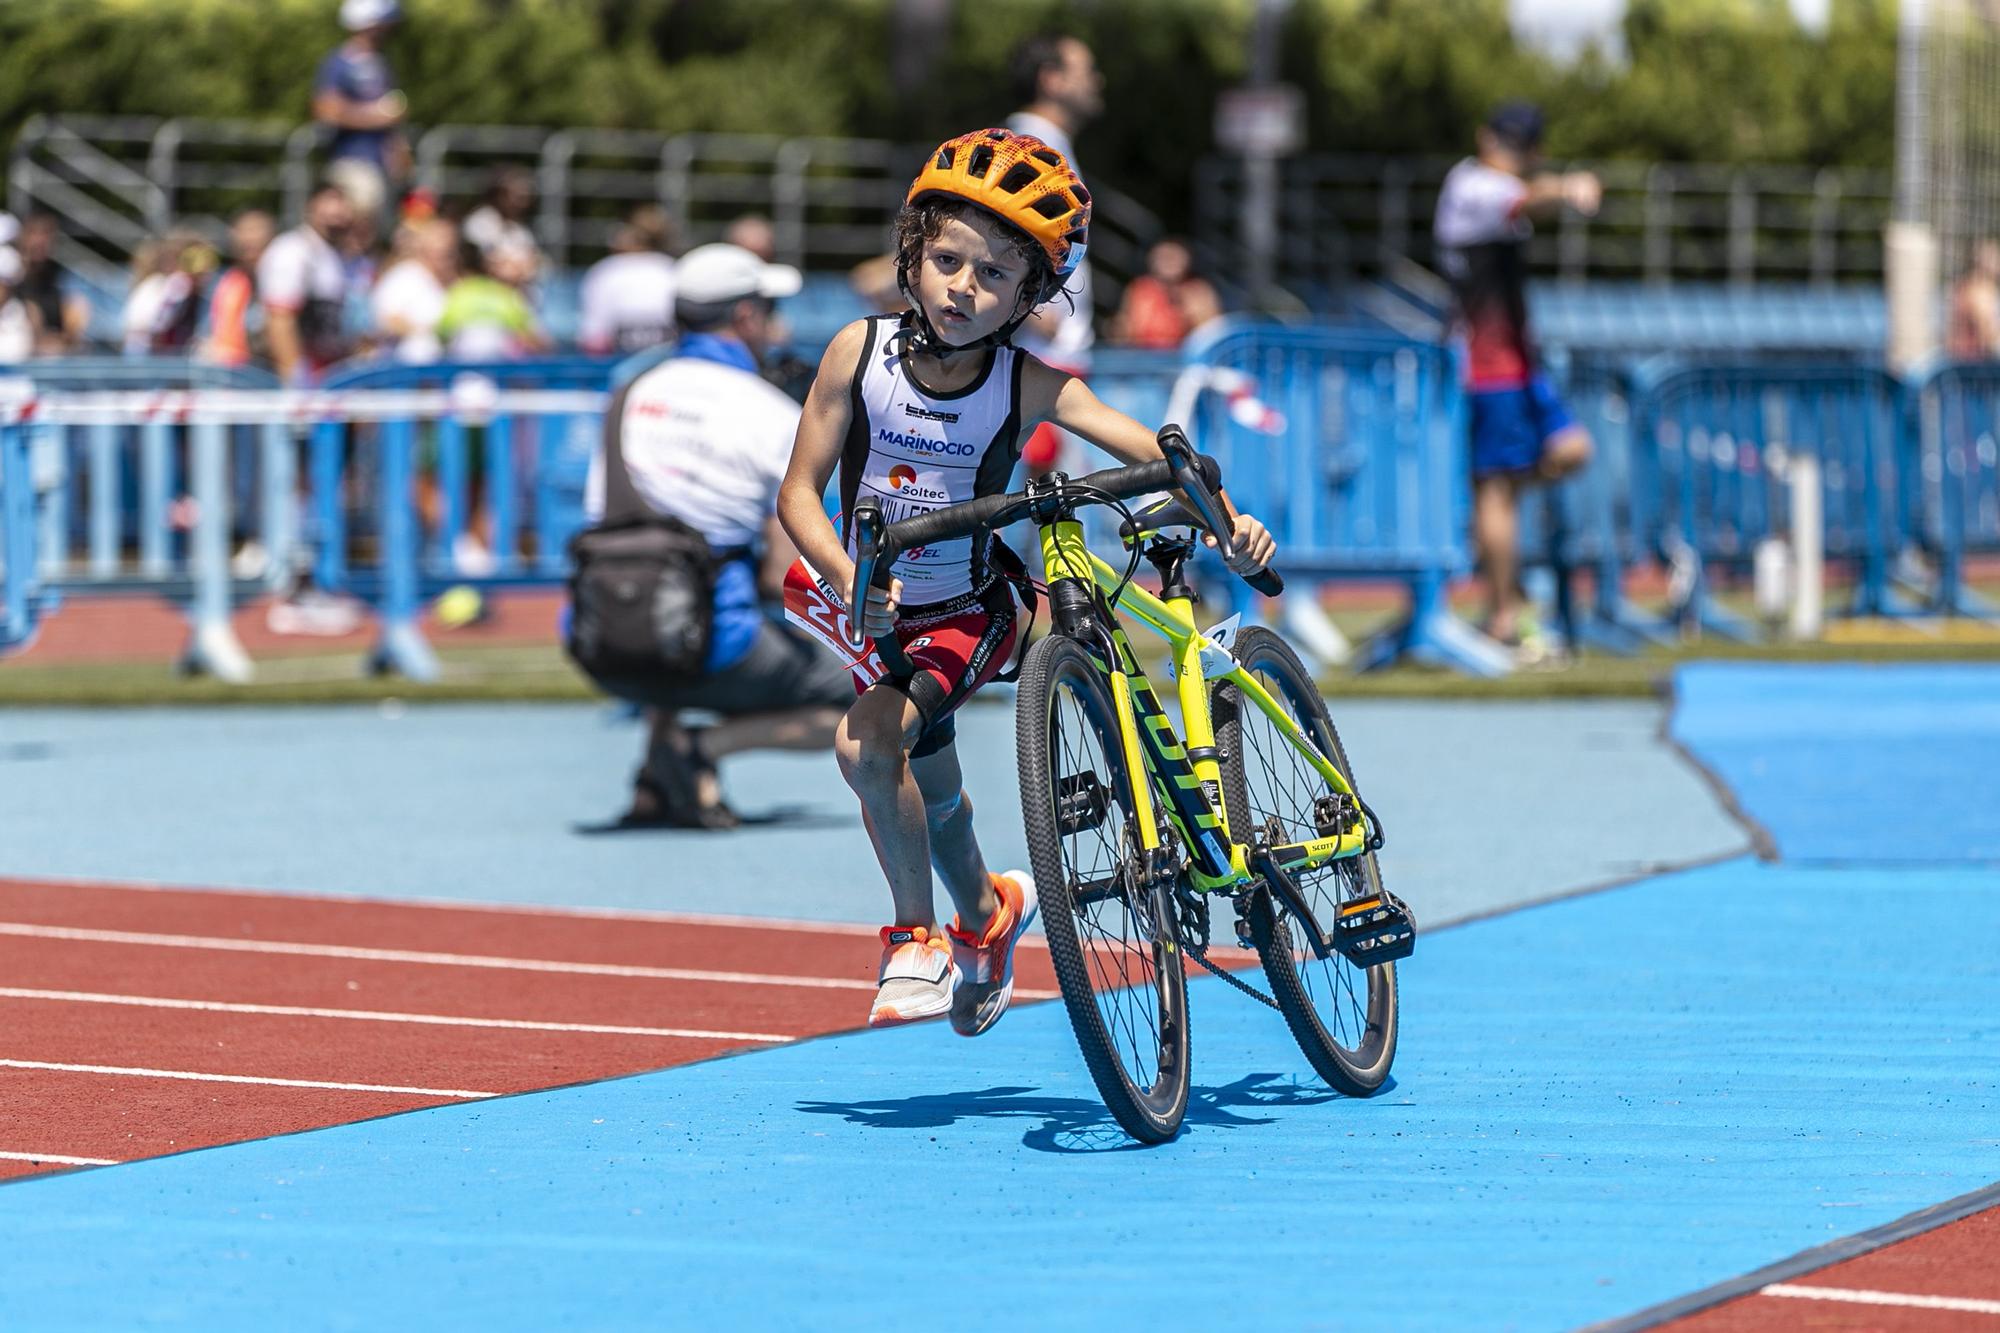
1600,519
1369,479
1956,477
1722,436
531,481
117,479
20,600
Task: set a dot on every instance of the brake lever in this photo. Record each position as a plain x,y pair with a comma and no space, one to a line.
868,527
1180,454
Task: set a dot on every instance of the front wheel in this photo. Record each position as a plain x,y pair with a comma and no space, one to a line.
1343,1016
1111,935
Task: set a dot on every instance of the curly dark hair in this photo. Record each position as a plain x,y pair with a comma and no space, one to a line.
923,220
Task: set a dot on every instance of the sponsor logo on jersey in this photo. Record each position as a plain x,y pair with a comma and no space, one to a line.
901,475
919,444
929,414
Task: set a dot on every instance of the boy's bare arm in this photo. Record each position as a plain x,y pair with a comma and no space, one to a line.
816,452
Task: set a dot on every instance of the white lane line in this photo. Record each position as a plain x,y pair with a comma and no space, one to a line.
1965,1304
191,1076
359,954
416,956
375,1015
725,920
56,1159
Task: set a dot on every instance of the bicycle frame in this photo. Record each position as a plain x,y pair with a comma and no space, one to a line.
1190,773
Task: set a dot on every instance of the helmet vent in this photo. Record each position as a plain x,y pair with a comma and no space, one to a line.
1048,155
1052,206
1019,177
1082,195
944,157
979,160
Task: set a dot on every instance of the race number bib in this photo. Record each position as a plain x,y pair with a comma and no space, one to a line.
812,604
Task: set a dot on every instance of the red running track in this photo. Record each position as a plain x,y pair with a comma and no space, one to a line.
136,1021
1944,1279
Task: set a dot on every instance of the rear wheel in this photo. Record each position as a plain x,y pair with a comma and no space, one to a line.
1343,1016
1111,936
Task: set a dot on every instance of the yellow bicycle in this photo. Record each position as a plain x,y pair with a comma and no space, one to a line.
1134,830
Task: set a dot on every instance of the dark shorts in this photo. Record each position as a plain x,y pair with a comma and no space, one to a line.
1511,428
954,655
782,671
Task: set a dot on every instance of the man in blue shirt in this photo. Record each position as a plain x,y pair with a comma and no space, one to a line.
355,94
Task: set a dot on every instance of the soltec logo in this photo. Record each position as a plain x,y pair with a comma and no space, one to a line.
901,475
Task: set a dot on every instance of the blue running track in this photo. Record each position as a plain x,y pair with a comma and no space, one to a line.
1600,1103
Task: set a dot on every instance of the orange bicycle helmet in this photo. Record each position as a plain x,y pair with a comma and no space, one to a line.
1020,180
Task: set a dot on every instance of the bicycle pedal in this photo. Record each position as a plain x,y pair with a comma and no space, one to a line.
1080,803
1374,930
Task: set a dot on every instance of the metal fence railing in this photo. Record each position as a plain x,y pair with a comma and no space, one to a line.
1343,214
117,180
1354,454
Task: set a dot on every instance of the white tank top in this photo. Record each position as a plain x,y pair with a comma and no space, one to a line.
916,451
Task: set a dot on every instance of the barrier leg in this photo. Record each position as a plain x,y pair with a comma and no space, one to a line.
402,648
17,550
1434,636
49,458
502,508
103,500
155,493
213,649
329,518
278,503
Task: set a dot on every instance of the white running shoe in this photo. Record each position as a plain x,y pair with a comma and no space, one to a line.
987,962
916,979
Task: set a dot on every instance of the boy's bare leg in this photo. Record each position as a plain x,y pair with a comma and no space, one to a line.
1496,535
873,745
954,847
1565,453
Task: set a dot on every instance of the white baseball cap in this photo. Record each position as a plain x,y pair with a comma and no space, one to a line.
720,273
358,14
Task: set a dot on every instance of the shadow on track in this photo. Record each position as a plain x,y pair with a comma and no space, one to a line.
1076,1124
783,816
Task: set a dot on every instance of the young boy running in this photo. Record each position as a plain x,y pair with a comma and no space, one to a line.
920,411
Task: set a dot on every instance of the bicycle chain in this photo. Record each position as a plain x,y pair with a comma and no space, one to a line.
1201,956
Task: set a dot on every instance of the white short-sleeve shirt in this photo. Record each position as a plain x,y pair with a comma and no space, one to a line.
707,444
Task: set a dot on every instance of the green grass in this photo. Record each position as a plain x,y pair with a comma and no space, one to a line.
542,674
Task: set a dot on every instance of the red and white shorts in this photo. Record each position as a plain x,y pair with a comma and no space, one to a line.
956,646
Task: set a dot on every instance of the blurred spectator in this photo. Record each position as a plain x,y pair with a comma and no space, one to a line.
1973,326
356,95
753,232
187,263
486,313
1167,302
1061,91
60,314
303,285
17,330
235,316
502,219
704,441
628,296
409,301
874,281
149,263
1522,435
